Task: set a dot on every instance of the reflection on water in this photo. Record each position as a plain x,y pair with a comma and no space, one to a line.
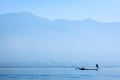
58,73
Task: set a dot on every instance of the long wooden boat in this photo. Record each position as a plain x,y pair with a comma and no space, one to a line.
86,69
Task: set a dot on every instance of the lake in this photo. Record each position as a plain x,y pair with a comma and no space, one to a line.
58,73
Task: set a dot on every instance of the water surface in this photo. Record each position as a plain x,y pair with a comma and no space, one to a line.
58,73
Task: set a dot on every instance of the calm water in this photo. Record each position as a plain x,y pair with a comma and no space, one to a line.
58,73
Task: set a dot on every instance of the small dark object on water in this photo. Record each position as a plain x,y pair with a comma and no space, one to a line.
97,67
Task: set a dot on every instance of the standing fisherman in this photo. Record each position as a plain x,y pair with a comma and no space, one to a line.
97,66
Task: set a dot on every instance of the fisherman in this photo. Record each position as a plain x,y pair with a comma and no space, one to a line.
97,66
82,68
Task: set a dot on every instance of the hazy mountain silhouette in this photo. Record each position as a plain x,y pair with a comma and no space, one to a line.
29,38
26,20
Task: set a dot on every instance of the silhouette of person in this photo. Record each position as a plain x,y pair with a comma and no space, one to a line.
97,66
82,68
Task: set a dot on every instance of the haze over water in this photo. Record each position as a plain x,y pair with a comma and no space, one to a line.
46,40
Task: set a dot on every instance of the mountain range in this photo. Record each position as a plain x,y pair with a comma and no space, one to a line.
27,38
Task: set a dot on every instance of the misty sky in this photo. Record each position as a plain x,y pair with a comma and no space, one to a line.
61,44
100,10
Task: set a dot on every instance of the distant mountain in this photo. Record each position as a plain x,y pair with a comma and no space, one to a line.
26,38
27,23
27,19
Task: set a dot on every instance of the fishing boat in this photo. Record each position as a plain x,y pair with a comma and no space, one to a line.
97,67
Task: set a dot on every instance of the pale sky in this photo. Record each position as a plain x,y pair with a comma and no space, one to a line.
100,10
96,43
